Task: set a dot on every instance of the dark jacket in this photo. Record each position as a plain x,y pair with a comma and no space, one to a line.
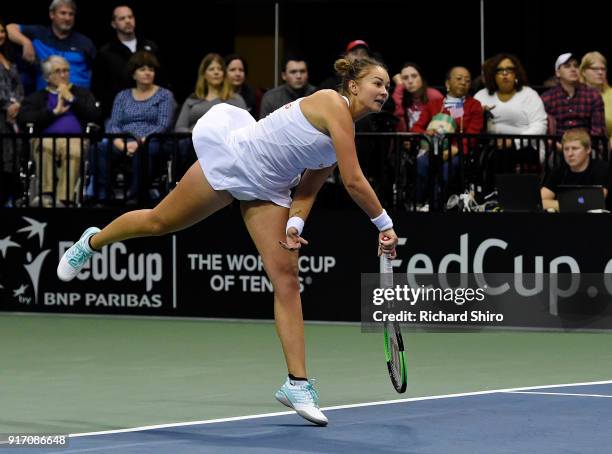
281,95
249,94
34,109
110,74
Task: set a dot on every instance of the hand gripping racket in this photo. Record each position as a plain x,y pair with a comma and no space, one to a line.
394,344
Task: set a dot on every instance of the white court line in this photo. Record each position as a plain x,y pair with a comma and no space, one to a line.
560,394
171,318
420,330
338,407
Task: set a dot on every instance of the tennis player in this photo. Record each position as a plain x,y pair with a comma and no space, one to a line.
258,163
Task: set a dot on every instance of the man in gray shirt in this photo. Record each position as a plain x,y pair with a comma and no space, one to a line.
295,75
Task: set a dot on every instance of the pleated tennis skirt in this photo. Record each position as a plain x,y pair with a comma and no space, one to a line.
219,156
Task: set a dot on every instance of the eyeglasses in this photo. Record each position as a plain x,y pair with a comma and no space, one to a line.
61,71
598,68
506,70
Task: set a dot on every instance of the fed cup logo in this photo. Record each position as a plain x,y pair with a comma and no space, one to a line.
23,248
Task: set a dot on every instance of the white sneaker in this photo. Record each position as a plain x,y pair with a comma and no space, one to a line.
77,256
303,398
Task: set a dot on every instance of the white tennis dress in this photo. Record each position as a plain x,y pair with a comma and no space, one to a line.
259,160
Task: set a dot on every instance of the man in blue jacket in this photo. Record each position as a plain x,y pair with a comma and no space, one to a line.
39,42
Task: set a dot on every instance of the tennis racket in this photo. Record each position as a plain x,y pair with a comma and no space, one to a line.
394,344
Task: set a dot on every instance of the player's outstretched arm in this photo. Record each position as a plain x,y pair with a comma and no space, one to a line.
339,123
327,111
337,120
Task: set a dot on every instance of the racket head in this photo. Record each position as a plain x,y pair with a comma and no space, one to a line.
394,343
396,357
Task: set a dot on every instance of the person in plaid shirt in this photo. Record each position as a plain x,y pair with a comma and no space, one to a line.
572,104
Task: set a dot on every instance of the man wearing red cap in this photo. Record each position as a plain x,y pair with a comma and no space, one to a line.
355,49
358,49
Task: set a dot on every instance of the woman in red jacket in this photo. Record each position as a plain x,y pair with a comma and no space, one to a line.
455,113
411,95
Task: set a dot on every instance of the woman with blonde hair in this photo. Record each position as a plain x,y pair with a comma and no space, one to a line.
212,88
594,73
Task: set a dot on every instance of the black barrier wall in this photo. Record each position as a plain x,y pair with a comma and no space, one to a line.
213,269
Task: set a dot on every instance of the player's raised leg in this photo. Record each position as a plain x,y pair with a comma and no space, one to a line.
192,200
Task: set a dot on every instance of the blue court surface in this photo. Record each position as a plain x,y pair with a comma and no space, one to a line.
569,418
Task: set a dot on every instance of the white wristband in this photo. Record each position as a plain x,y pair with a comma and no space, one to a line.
383,222
296,222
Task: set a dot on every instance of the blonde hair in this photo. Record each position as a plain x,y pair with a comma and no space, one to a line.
588,61
579,134
353,69
202,87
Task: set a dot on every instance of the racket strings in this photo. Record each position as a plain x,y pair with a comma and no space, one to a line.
396,365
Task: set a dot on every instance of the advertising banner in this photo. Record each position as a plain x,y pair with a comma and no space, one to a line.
213,270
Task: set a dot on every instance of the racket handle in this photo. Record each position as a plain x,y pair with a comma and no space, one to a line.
386,266
385,254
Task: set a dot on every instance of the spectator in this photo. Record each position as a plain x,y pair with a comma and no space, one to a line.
110,74
594,73
141,111
236,73
411,94
513,107
571,103
357,49
460,112
295,75
11,96
60,108
465,111
212,87
39,42
577,169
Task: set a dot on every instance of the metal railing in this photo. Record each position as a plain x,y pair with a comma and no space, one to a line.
410,171
73,170
407,170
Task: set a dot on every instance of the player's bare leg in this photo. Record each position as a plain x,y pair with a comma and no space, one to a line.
266,223
191,201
